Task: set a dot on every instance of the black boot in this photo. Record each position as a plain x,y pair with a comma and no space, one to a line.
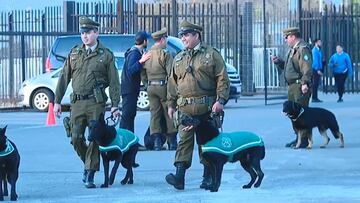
67,126
177,180
90,179
157,142
206,178
85,173
172,141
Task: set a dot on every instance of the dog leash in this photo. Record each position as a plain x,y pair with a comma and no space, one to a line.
113,120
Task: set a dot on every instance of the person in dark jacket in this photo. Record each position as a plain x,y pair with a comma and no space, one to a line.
341,66
317,66
130,79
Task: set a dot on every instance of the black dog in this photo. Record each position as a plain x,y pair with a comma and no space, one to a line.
125,153
9,166
306,118
250,152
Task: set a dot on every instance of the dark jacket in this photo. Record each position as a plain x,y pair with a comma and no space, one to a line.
130,76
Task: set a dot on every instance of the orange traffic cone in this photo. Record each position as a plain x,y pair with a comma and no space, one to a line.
50,115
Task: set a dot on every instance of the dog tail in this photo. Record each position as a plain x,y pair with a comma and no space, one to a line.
262,152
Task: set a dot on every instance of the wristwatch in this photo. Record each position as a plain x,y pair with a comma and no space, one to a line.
222,101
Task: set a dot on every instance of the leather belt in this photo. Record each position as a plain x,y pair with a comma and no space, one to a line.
194,100
297,81
157,82
84,97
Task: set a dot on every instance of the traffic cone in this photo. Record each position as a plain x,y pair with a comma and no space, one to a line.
50,115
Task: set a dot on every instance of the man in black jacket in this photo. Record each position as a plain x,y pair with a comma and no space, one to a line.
130,79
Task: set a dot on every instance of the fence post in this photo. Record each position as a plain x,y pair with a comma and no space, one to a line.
174,19
247,55
43,41
69,16
120,16
235,34
11,56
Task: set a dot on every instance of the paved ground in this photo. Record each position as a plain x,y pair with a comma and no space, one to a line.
51,172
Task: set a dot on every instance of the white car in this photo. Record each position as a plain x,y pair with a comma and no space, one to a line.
39,91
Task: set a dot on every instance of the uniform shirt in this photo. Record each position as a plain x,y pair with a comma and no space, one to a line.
298,64
130,76
198,72
317,59
87,70
230,143
341,63
158,67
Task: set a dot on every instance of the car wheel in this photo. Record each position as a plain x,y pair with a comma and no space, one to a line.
41,99
143,101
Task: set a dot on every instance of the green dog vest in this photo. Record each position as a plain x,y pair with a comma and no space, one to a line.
123,141
9,149
230,143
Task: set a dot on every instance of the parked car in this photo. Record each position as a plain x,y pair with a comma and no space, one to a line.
37,92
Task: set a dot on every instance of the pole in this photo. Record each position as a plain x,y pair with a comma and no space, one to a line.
265,54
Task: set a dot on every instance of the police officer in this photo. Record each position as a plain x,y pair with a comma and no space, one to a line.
198,85
155,73
91,68
298,71
130,79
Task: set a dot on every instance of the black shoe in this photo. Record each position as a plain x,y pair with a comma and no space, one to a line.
157,142
172,142
67,126
90,179
304,143
177,180
340,100
206,182
316,100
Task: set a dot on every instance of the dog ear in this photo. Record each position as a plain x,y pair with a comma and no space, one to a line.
3,130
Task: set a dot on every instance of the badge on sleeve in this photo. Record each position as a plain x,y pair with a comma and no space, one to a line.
306,57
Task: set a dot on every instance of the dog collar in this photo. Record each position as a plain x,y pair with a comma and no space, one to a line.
9,149
301,112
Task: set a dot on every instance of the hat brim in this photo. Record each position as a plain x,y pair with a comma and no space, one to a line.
185,31
85,29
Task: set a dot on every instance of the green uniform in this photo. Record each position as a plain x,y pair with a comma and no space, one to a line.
198,78
85,71
298,71
155,74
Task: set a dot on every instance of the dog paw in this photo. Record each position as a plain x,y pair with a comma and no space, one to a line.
14,197
256,185
104,185
323,146
130,182
308,147
123,182
214,190
342,146
246,186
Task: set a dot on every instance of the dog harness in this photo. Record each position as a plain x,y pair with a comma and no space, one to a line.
123,141
230,143
9,149
301,112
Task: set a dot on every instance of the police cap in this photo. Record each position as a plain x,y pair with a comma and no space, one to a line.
187,27
291,31
159,34
86,24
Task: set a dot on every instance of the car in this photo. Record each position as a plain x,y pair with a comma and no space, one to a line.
39,91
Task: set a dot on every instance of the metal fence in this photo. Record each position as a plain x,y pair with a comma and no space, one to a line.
236,28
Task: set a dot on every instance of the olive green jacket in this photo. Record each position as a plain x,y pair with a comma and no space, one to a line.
85,71
198,72
158,67
298,64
